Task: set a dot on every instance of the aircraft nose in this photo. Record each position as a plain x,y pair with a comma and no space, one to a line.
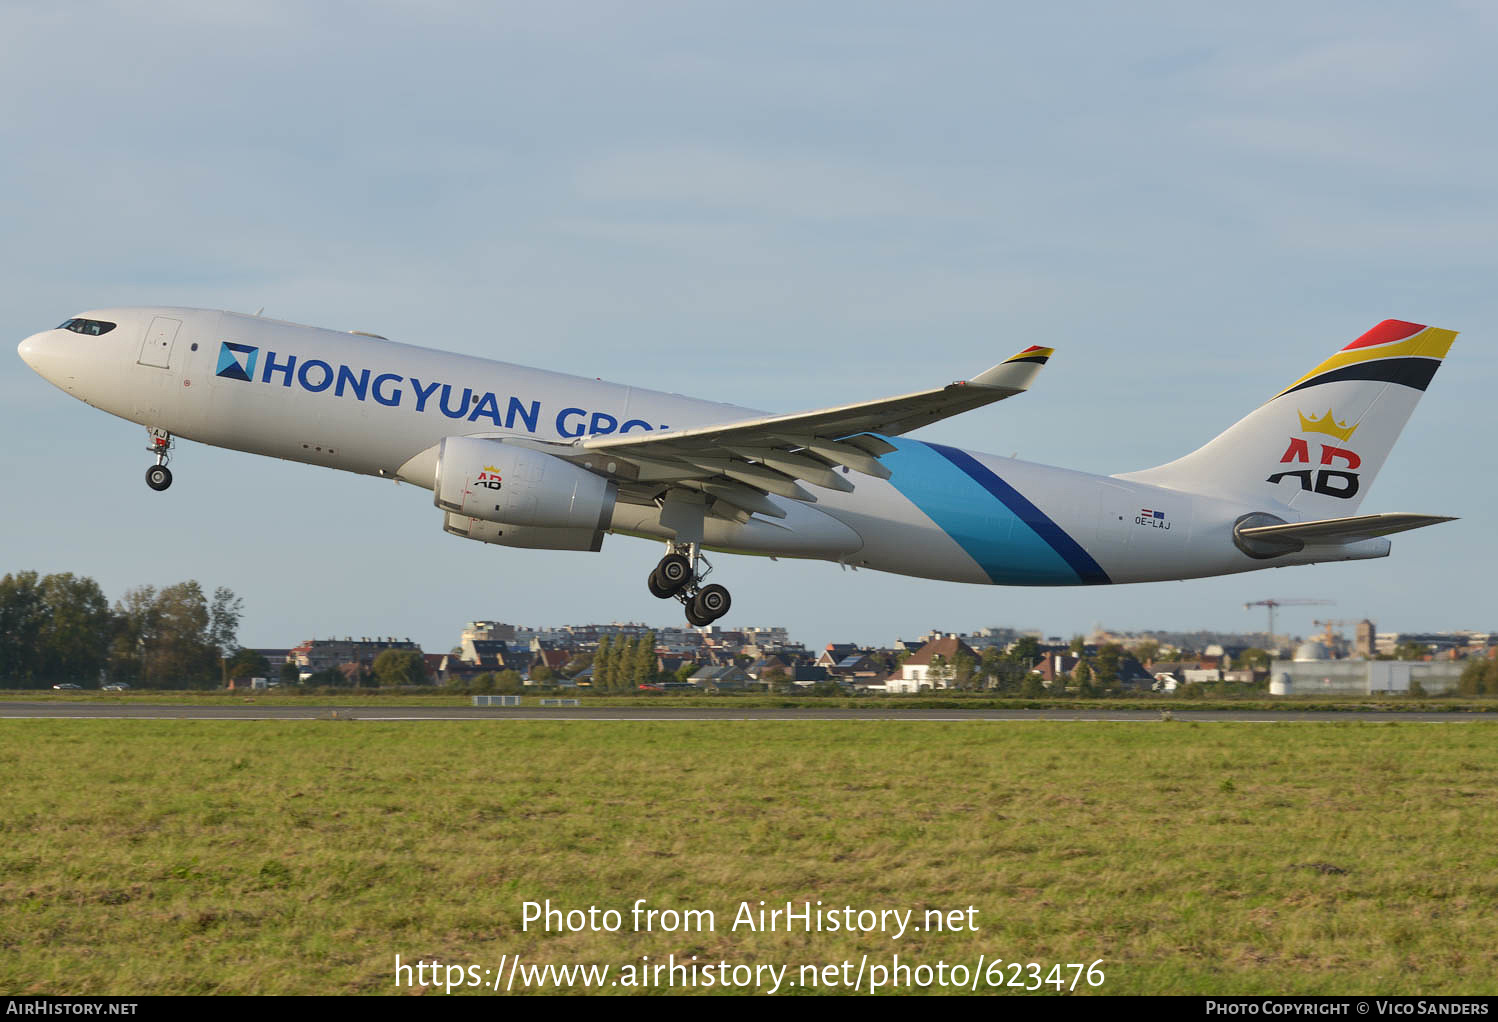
29,349
40,352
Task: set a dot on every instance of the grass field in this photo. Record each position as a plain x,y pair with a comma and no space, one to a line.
150,857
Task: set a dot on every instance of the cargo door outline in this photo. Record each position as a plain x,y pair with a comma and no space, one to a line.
156,346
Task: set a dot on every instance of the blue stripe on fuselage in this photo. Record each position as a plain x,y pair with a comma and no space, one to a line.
1012,540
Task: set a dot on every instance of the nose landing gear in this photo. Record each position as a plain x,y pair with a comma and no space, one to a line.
679,577
158,476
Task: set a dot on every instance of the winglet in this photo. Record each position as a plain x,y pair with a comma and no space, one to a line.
1016,372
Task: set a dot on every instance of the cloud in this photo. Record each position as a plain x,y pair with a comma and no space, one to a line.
1379,148
1340,67
812,186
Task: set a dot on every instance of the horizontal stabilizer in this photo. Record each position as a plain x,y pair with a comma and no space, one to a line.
1345,530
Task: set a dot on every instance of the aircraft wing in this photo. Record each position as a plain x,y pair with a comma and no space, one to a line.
1343,530
738,463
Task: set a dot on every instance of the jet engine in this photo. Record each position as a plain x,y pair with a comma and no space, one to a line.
521,488
525,536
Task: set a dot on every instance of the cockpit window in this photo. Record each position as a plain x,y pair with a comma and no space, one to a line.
93,327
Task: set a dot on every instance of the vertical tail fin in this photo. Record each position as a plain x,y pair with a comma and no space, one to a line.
1317,444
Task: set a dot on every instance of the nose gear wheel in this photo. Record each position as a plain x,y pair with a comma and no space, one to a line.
158,476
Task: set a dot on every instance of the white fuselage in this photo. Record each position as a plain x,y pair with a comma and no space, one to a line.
369,405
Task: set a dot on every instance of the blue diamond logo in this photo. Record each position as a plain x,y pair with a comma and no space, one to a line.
237,361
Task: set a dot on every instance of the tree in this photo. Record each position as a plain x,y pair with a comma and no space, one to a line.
74,640
1254,658
223,621
1082,676
509,682
1109,662
644,660
603,664
396,667
52,629
325,678
1479,678
183,653
685,671
776,679
1025,650
939,673
291,673
1411,651
246,663
135,631
1014,666
964,670
543,675
1146,651
22,617
621,664
1078,645
991,667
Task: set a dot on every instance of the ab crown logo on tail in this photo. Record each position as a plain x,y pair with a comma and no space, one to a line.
1332,482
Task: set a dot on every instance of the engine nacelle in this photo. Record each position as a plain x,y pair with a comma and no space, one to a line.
499,482
526,536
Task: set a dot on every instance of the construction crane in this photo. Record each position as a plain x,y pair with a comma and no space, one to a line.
1331,638
1271,604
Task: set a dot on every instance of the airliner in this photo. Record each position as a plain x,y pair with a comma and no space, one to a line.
523,457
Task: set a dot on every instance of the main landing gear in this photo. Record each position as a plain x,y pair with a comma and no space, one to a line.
679,576
158,476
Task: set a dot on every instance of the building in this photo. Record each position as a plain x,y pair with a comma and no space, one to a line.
495,655
277,658
487,631
720,677
1055,665
317,655
836,653
770,640
931,667
1438,644
1311,673
761,666
552,659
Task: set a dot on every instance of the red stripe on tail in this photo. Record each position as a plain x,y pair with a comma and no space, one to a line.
1387,332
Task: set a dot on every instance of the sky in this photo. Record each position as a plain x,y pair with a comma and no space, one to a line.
781,205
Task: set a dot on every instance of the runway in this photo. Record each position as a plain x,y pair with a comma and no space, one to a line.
170,711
